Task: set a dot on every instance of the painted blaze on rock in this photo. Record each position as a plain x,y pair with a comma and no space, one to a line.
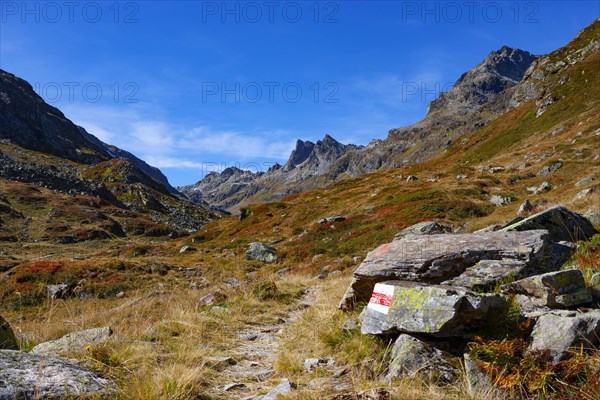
438,310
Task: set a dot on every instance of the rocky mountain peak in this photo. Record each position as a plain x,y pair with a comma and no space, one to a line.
500,70
299,154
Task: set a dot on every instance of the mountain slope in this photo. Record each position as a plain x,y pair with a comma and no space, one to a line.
472,102
42,149
115,152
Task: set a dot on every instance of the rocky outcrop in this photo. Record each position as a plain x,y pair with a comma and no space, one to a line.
561,223
423,228
29,376
428,317
412,357
437,258
8,341
261,252
435,310
560,289
74,341
561,332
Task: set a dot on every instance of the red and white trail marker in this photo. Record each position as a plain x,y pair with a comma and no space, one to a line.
381,299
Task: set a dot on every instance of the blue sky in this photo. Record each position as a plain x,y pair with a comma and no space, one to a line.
194,86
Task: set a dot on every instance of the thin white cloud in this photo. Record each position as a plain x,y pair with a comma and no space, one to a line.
166,145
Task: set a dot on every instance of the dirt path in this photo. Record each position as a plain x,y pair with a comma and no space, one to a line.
247,372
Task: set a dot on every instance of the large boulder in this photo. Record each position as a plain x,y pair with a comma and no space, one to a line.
560,289
436,310
261,252
438,258
562,332
560,222
74,341
8,340
412,357
29,376
423,228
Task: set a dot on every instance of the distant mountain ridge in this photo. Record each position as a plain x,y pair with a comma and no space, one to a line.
310,165
307,162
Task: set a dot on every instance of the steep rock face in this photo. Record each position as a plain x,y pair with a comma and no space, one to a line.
500,70
28,121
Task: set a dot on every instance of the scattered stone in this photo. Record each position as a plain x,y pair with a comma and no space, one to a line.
525,208
478,382
491,228
584,181
561,331
283,271
310,364
411,178
316,257
593,217
74,341
351,325
461,176
30,376
211,299
370,394
285,387
233,283
220,363
233,386
544,187
8,341
487,273
262,375
187,248
550,168
436,310
585,192
501,200
560,289
423,228
330,220
560,222
413,357
57,291
437,258
261,252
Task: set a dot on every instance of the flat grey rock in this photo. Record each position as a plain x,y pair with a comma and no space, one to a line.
29,376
